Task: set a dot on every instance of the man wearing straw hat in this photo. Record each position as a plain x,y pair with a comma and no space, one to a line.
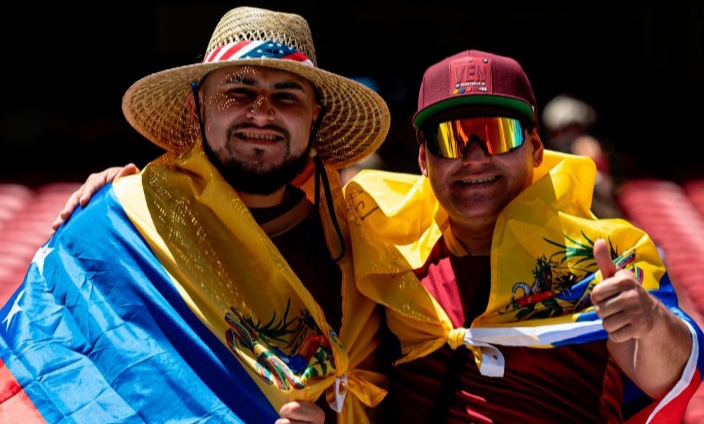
510,301
217,284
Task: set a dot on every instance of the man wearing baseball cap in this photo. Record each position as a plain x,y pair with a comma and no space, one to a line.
519,304
508,299
217,284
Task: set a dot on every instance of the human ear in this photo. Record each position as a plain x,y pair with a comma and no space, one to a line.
538,148
192,109
316,112
422,159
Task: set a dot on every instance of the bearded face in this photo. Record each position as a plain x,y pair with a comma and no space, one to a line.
257,123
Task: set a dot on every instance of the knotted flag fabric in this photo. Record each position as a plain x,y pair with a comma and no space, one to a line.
542,271
164,301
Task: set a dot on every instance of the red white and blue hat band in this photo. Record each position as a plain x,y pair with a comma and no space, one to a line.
256,50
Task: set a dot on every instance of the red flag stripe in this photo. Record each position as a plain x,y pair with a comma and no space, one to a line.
15,405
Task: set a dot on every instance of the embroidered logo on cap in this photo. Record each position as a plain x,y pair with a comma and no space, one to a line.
470,74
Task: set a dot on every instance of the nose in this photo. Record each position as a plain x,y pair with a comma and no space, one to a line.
475,150
260,109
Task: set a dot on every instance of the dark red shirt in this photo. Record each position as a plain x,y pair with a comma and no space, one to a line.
298,234
571,384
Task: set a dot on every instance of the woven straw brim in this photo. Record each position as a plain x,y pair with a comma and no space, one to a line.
355,123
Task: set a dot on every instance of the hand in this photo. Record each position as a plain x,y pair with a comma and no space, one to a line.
301,413
648,342
627,310
95,182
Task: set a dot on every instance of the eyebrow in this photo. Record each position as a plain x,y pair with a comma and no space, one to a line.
283,85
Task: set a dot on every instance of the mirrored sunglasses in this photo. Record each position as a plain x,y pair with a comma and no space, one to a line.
496,135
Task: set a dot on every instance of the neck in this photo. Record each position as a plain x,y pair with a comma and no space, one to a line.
475,240
262,200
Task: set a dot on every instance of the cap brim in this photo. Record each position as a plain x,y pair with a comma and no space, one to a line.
475,105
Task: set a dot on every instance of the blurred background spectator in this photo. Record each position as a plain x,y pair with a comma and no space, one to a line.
568,124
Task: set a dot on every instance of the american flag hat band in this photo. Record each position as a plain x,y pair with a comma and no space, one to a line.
355,119
256,50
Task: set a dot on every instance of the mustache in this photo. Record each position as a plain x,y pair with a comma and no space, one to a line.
246,125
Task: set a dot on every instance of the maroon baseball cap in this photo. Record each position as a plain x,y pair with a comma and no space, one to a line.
475,83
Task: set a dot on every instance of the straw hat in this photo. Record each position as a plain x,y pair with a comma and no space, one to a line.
356,119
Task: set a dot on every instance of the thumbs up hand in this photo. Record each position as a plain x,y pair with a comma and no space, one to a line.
627,310
648,342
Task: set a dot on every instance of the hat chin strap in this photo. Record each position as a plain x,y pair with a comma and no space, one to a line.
321,175
196,100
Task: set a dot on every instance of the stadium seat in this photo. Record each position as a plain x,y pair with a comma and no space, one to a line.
26,215
673,216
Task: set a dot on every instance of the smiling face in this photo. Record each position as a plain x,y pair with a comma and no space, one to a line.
476,187
258,124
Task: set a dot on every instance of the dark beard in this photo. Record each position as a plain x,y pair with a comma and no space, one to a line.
247,179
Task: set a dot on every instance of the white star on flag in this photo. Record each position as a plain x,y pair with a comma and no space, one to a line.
40,255
16,308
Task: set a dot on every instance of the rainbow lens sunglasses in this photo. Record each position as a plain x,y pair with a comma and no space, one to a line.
496,135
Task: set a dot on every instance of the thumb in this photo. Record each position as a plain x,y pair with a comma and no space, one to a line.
603,259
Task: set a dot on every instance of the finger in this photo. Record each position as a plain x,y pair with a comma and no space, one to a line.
97,181
94,183
603,259
85,192
619,328
128,169
302,412
56,224
68,208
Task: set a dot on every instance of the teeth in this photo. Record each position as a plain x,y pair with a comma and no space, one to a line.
259,136
483,180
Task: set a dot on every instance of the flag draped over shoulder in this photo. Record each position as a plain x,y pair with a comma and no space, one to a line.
542,270
164,301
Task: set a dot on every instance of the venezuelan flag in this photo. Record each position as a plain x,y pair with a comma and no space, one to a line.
542,271
154,304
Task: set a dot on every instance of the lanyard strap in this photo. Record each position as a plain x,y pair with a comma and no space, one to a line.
453,372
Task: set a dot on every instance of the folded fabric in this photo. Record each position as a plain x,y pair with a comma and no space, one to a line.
542,271
164,301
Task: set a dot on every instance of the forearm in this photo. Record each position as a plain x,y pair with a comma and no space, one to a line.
655,361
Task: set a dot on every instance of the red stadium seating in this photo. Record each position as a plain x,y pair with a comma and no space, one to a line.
26,215
695,191
673,216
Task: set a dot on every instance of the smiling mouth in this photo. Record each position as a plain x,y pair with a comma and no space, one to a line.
478,181
256,136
